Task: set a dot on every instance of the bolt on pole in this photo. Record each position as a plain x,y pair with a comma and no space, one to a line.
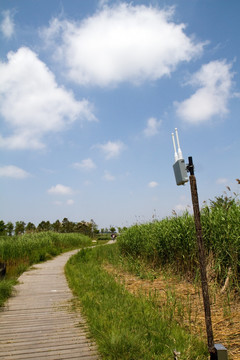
202,260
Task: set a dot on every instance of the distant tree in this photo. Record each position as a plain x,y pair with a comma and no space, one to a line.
94,228
48,226
41,226
44,226
120,230
83,227
19,227
30,227
112,229
67,226
57,226
87,228
9,228
2,228
78,227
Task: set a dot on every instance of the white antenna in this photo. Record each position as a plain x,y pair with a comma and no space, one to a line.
179,167
174,145
179,150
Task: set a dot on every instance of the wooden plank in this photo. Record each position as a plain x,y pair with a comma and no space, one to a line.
81,348
38,321
69,340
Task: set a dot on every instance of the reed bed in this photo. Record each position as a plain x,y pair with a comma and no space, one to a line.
172,241
36,247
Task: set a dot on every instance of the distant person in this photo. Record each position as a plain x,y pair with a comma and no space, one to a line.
113,236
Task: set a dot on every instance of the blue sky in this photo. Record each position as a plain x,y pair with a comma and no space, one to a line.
90,92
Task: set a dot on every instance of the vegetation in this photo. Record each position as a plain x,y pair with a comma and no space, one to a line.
32,248
172,241
125,326
19,252
64,226
149,325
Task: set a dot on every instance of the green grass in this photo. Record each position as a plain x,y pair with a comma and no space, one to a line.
172,241
6,287
20,252
32,248
123,325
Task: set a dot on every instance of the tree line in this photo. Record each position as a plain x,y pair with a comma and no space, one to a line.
65,226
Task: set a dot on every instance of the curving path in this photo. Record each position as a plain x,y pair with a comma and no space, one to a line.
39,323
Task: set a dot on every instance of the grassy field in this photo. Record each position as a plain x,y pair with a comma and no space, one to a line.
123,325
20,252
172,242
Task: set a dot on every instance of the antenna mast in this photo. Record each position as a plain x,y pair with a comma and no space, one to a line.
175,151
180,156
179,166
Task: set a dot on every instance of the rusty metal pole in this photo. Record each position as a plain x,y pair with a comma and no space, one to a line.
202,260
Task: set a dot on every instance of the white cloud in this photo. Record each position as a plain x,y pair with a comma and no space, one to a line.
86,164
112,149
221,181
108,177
214,81
60,190
70,202
121,43
152,184
31,102
152,127
7,24
13,172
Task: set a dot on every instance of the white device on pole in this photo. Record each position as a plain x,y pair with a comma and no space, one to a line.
179,166
175,151
178,144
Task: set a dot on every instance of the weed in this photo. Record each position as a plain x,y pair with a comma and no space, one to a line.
6,288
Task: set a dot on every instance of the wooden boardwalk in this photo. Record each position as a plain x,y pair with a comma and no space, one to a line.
38,321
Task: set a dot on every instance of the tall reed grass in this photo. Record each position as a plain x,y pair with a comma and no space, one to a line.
172,241
36,247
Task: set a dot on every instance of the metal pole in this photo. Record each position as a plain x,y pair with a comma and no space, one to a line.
202,261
